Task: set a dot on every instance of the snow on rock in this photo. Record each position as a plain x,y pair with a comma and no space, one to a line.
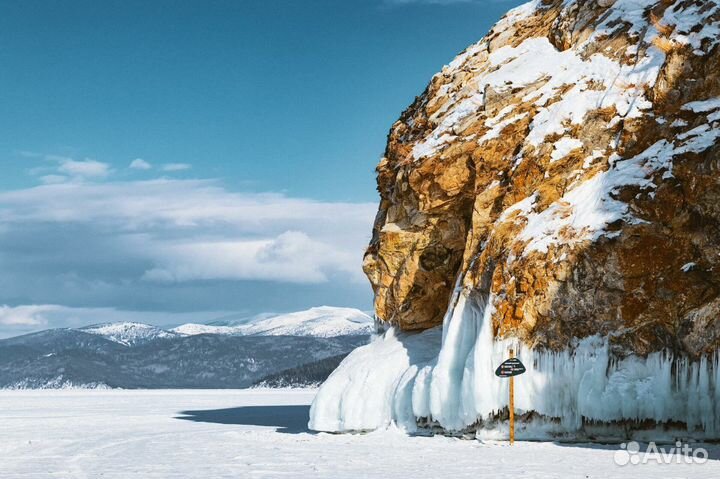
322,322
711,107
693,25
588,207
687,267
563,147
703,106
597,82
128,333
537,58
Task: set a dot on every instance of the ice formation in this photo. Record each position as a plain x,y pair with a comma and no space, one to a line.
445,376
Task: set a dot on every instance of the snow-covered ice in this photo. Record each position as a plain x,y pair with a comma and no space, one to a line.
174,434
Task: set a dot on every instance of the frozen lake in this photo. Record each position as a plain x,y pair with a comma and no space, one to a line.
261,433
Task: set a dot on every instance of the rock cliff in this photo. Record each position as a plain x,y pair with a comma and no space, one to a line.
555,189
568,164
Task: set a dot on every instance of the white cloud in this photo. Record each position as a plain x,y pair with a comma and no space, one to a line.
53,179
140,164
30,315
176,166
83,169
60,169
188,230
24,318
290,257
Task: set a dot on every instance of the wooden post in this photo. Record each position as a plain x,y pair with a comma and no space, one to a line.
512,404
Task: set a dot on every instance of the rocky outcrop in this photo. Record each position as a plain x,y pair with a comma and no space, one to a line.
554,191
567,167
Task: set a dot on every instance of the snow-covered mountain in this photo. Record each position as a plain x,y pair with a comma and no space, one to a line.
320,322
128,333
136,355
193,329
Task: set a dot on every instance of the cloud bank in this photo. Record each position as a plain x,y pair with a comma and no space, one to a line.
167,245
19,319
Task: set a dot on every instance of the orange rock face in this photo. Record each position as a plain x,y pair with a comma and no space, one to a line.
567,167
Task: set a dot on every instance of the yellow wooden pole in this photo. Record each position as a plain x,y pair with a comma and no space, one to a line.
512,404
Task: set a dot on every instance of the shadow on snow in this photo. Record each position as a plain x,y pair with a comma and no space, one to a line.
290,419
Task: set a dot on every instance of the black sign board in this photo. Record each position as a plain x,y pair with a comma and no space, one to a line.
511,367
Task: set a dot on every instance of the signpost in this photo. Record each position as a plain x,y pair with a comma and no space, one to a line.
509,369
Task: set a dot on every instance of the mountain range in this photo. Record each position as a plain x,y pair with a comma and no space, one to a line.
234,354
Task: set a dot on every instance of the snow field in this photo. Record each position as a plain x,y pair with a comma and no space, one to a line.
137,434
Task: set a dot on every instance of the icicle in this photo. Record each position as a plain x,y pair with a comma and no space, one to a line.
448,378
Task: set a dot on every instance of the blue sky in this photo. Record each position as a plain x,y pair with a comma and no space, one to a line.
177,160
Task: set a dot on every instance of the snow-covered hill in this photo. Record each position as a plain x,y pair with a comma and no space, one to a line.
320,322
193,329
73,358
261,433
136,355
129,334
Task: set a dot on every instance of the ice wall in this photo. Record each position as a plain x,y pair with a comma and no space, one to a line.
446,376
